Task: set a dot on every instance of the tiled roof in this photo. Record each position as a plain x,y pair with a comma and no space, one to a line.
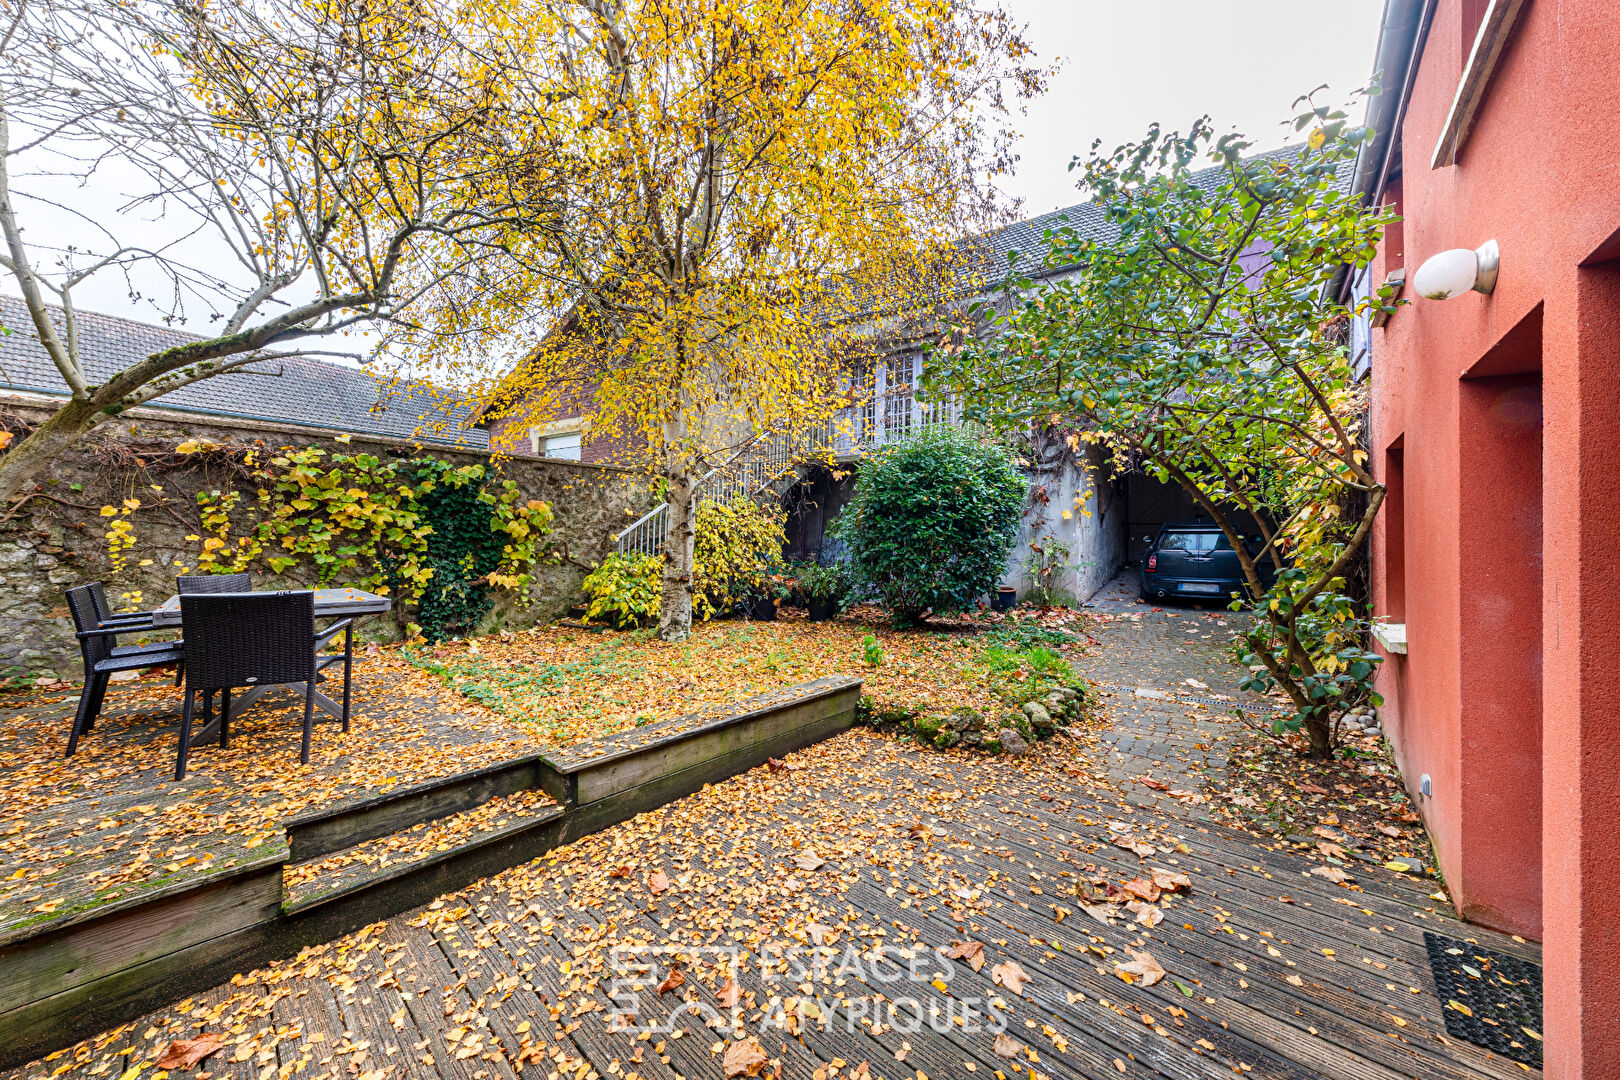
295,390
1088,219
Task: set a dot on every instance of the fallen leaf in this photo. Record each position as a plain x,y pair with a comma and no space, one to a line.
745,1058
729,994
971,951
1007,1047
184,1054
1314,790
1332,873
809,862
1143,888
1389,830
820,934
1010,975
619,872
1143,967
657,882
1156,785
1101,912
1146,914
673,981
1170,880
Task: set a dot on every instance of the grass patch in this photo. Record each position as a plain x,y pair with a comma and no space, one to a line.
569,684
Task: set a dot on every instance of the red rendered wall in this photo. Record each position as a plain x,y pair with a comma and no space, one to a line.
1453,391
1500,566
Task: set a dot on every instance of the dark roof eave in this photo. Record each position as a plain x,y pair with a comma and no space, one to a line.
1400,43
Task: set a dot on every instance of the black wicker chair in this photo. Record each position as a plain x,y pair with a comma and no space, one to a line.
252,639
135,620
103,656
192,584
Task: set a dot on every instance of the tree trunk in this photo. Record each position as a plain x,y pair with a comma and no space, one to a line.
1320,734
675,615
65,426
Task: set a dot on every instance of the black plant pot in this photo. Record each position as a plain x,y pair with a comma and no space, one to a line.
822,610
763,609
1006,598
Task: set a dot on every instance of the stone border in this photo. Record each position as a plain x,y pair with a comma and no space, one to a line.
74,978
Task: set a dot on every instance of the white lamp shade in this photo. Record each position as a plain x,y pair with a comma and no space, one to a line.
1446,274
1453,272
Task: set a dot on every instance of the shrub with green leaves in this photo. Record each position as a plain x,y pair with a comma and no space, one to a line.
829,584
625,591
932,521
737,546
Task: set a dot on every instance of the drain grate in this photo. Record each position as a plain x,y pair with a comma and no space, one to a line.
1489,999
1180,697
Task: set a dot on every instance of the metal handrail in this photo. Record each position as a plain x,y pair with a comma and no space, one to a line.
843,433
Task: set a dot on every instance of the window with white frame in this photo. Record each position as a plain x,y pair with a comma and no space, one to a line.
562,440
561,446
901,372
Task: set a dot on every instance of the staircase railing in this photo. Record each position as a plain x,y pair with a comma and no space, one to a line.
849,431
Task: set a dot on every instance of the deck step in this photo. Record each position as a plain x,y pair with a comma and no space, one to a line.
455,838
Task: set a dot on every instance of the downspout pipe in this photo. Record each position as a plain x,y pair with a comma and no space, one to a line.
1400,44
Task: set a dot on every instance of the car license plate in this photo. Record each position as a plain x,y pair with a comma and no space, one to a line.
1200,586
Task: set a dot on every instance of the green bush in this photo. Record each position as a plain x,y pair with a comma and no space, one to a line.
821,583
932,521
737,547
626,590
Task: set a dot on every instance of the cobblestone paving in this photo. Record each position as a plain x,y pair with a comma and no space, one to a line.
1167,687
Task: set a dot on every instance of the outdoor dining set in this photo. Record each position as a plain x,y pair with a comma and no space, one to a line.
232,638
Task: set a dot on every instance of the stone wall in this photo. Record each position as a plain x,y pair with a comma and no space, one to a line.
1071,500
55,539
1061,478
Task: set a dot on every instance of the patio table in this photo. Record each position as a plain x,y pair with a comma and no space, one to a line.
329,604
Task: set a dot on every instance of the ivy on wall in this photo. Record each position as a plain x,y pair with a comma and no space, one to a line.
439,538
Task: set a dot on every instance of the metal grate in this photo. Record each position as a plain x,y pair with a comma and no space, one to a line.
1488,998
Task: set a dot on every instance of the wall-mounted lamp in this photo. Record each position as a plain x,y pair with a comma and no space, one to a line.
1456,271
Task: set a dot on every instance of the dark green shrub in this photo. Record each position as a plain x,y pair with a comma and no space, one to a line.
828,584
932,521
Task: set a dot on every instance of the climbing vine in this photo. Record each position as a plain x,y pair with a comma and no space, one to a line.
437,537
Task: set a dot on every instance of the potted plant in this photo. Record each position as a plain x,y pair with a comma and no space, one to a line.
1006,598
763,596
824,587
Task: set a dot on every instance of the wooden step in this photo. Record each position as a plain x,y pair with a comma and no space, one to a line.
499,826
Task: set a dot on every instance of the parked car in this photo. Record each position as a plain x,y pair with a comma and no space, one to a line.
1194,559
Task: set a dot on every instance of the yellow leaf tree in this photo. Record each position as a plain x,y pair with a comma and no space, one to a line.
302,170
757,188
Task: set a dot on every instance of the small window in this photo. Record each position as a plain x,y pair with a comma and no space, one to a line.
1195,541
565,446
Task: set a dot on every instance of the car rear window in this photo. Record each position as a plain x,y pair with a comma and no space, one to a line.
1195,541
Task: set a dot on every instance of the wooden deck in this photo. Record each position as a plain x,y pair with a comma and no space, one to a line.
861,841
111,822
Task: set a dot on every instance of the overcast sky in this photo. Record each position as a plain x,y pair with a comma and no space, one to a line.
1126,63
